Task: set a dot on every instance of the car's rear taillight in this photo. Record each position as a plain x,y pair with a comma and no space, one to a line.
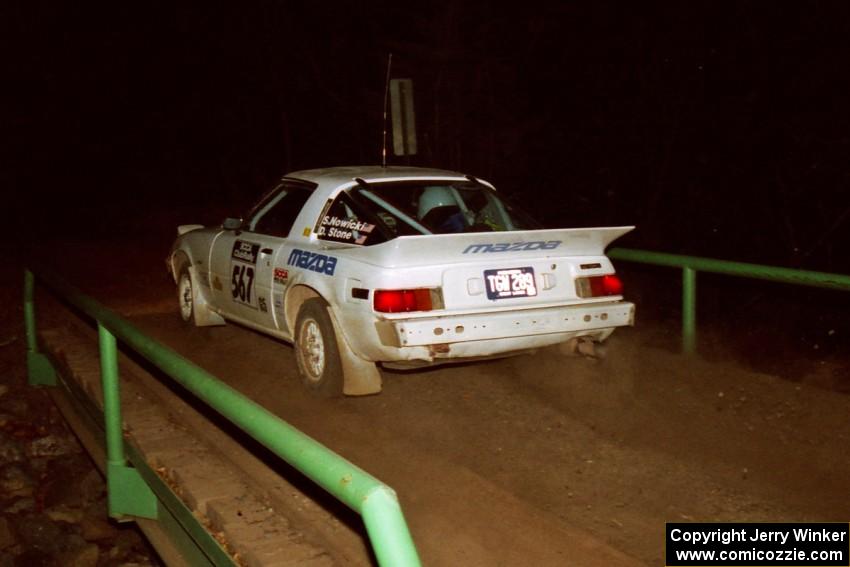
406,300
599,286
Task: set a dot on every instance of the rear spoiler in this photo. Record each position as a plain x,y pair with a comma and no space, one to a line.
419,250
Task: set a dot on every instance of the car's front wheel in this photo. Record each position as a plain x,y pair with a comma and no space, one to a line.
316,350
186,297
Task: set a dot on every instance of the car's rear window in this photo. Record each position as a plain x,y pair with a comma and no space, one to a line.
376,212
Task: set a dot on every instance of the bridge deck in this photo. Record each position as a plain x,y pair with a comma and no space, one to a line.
245,519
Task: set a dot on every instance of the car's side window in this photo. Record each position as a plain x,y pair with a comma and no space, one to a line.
277,220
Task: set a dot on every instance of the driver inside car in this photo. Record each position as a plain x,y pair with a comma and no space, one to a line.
439,210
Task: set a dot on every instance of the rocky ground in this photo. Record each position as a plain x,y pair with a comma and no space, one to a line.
52,498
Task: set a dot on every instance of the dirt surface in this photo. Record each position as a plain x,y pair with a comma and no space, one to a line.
535,459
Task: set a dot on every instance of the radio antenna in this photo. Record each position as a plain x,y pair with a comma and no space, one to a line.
386,98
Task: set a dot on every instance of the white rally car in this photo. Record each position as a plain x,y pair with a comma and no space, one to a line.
400,266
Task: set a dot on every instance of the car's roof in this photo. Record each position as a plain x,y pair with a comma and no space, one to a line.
335,176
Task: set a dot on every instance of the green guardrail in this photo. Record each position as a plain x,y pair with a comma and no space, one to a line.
128,493
690,265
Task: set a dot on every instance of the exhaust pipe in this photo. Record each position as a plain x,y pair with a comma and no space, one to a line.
584,346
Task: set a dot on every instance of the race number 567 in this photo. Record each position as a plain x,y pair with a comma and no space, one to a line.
242,282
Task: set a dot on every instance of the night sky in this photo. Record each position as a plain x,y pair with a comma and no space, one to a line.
719,129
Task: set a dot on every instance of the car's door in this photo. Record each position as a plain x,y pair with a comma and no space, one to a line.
236,264
243,261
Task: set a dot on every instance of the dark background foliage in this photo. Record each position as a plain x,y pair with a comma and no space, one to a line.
719,129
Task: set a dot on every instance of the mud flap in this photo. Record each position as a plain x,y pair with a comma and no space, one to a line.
360,377
204,316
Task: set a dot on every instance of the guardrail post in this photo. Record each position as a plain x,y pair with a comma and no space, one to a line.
39,370
127,492
689,310
690,265
387,529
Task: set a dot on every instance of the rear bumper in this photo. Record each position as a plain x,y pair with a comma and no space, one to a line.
475,335
512,324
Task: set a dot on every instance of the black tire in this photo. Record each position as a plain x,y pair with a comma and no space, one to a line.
185,296
316,350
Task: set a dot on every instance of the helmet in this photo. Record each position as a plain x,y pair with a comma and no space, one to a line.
435,196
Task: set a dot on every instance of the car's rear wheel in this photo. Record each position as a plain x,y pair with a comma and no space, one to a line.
316,350
186,296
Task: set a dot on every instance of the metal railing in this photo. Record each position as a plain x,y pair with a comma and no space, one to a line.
128,494
692,264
